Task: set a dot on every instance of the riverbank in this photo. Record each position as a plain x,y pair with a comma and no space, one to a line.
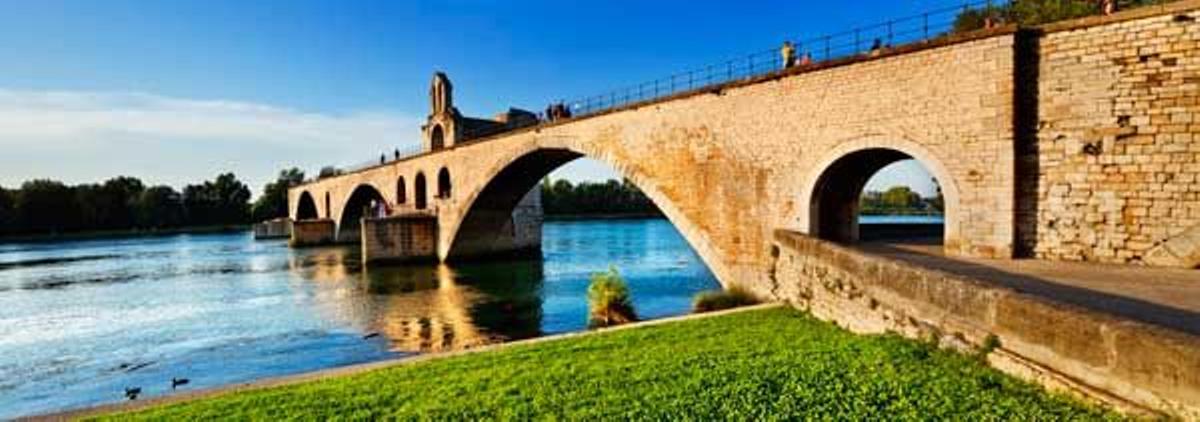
121,234
775,362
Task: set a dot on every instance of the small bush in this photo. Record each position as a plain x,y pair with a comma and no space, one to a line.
609,302
715,300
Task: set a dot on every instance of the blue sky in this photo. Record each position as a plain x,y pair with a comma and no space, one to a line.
178,91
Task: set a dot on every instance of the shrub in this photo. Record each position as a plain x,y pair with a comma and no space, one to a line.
608,300
715,300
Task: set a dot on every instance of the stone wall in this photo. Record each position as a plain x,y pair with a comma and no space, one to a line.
402,238
1117,152
1130,365
312,232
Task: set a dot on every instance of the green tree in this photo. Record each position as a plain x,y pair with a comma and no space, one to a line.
273,201
122,194
900,198
608,197
224,200
1035,12
47,206
159,207
8,217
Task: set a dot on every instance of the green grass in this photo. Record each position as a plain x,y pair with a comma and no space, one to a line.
764,364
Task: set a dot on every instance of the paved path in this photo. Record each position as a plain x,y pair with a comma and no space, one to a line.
1167,297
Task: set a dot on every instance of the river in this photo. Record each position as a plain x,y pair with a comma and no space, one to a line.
82,320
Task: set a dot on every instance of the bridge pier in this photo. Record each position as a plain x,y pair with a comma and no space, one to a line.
501,230
312,232
399,239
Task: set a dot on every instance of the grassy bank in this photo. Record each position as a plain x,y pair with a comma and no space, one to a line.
775,363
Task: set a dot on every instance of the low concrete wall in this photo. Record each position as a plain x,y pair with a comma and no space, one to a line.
401,238
1130,365
279,228
312,232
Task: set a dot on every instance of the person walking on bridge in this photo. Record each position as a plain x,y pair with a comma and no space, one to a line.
788,53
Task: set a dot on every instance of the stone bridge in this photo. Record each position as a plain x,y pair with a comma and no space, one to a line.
1077,141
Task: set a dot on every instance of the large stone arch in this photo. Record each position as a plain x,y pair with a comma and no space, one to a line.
306,207
859,159
348,230
519,170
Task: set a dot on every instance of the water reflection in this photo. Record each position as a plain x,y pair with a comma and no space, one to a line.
426,308
80,321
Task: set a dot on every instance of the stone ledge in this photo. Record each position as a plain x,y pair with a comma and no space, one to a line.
1132,366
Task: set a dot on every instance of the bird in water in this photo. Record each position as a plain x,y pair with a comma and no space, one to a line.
132,392
370,336
176,382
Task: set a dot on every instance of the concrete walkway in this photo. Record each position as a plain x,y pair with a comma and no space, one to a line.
1161,296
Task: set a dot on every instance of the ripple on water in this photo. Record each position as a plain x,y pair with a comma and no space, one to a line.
80,321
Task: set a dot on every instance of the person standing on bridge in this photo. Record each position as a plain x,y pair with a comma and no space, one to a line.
788,53
1107,7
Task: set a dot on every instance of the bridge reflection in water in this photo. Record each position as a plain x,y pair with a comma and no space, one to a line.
427,308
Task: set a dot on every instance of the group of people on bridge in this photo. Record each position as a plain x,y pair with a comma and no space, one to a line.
557,111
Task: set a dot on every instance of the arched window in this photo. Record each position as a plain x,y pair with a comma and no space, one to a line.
444,183
401,191
328,211
436,138
419,190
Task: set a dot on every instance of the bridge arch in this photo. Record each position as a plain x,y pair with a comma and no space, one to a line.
356,206
306,207
486,206
832,189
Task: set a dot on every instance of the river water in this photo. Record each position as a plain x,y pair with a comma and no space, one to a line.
82,320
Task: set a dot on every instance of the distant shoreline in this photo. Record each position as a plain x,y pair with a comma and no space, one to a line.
122,234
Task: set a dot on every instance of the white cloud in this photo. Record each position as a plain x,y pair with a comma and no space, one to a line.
79,136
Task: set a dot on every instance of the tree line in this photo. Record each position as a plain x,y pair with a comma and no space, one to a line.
125,203
900,200
561,197
1036,12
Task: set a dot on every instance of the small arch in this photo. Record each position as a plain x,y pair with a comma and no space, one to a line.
835,199
419,191
437,138
401,191
306,208
443,186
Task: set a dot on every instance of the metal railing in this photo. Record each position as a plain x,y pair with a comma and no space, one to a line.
861,41
864,41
